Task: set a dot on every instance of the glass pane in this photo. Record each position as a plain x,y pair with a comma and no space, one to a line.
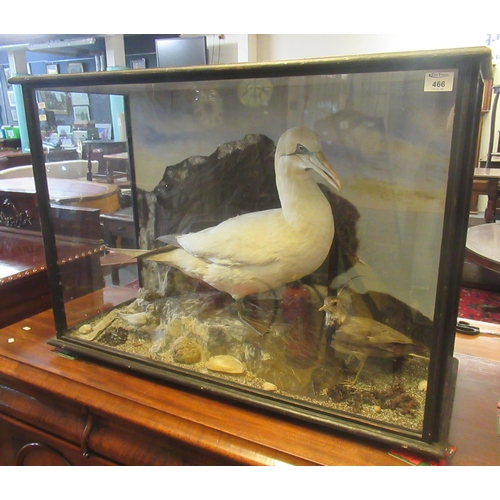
271,302
277,239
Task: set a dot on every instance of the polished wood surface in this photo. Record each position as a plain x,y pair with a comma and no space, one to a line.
132,419
483,246
485,345
69,192
22,253
117,156
490,177
24,284
9,159
474,424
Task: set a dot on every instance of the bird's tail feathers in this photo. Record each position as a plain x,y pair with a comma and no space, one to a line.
159,254
170,239
130,252
137,252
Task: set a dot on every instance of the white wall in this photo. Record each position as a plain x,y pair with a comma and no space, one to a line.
251,48
281,47
225,49
276,47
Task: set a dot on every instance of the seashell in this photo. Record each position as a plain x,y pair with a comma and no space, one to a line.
226,364
185,351
85,329
135,319
268,386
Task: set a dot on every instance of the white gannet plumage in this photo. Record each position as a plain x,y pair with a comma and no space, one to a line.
261,251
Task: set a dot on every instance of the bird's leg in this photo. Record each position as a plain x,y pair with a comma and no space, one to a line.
360,369
317,292
245,321
259,327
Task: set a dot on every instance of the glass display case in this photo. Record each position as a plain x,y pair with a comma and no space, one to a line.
300,231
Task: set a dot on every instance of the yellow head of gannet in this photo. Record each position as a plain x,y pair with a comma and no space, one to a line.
260,251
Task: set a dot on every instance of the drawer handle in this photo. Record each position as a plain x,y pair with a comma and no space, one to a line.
84,442
27,448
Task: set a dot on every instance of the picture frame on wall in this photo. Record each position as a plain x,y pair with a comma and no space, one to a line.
7,74
81,114
52,69
79,99
55,101
75,67
12,99
138,63
104,131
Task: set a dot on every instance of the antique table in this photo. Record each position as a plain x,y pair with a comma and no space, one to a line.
58,410
491,176
483,246
69,192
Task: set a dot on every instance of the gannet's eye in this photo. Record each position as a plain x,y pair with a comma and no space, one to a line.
302,150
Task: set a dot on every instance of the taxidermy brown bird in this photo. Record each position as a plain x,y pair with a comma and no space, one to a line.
365,337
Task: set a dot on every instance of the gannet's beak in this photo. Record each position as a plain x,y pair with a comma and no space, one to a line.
321,165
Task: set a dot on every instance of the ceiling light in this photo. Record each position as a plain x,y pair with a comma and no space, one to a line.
60,44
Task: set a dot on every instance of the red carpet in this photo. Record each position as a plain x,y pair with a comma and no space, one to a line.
479,305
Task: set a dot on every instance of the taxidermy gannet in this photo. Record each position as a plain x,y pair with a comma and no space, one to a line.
260,251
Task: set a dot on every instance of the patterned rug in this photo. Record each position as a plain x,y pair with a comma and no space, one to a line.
479,305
